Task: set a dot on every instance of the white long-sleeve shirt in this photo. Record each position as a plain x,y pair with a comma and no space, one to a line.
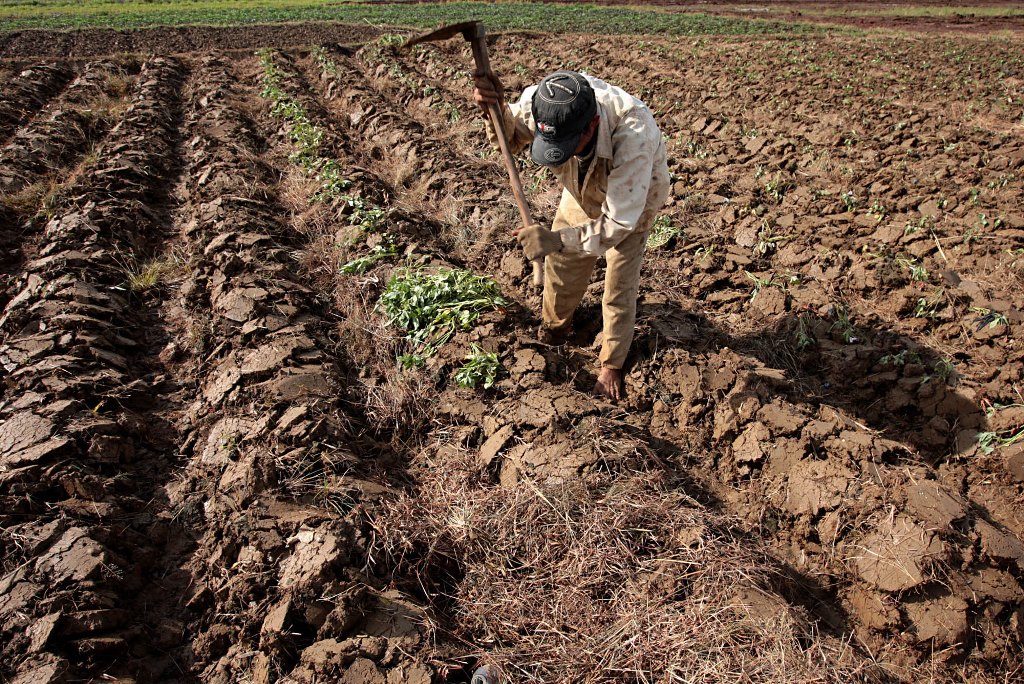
628,174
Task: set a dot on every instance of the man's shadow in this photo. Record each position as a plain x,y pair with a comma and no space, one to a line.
887,381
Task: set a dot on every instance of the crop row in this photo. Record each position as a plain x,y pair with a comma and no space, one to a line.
75,433
273,426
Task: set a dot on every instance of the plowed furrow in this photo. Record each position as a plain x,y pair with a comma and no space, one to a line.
81,442
45,152
428,172
22,96
270,437
55,139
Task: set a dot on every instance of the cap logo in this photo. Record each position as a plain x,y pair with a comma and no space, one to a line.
566,83
546,128
553,155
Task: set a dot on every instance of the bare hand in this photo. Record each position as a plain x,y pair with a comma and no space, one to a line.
487,90
609,384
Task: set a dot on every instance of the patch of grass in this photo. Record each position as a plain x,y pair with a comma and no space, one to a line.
31,198
431,305
153,273
574,17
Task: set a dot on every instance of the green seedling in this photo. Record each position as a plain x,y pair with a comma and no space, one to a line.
662,232
703,254
805,338
917,271
481,368
696,150
988,442
845,328
430,306
766,242
926,309
900,359
324,61
306,136
364,263
989,318
776,189
849,200
944,369
760,283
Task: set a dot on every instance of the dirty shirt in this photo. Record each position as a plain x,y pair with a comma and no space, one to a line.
628,173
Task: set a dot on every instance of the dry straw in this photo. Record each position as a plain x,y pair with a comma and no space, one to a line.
609,579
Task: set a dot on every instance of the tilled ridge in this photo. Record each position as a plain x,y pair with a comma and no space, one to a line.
78,442
24,94
47,144
43,152
426,169
278,472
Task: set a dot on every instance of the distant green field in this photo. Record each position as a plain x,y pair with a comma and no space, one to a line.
929,11
63,14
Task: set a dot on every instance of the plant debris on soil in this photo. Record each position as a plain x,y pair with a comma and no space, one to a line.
219,463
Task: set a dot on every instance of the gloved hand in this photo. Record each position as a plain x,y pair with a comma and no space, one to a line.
538,242
487,89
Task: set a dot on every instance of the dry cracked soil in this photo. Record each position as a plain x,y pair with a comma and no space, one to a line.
213,468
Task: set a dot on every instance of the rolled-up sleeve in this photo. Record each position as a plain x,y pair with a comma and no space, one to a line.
635,143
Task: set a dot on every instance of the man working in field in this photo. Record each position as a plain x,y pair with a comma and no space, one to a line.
605,148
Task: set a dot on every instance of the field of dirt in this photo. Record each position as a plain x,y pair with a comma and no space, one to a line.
214,468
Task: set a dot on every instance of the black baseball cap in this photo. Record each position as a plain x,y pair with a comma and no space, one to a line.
563,106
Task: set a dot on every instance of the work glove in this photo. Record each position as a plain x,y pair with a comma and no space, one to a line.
538,242
486,89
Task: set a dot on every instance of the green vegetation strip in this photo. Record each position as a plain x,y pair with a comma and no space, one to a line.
579,18
306,136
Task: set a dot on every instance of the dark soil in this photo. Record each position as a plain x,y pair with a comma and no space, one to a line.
212,467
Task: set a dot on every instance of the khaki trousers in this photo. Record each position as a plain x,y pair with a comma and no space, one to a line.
566,277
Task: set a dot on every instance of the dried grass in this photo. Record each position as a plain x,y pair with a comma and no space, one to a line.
605,580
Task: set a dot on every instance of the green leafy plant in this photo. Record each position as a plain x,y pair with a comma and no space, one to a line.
363,263
988,442
431,305
805,338
849,200
847,331
662,232
766,241
989,318
760,283
917,270
481,368
304,134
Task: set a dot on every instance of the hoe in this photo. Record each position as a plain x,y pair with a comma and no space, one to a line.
473,31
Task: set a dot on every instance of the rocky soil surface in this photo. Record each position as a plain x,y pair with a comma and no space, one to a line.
213,466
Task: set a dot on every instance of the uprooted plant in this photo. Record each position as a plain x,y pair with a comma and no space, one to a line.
431,305
481,368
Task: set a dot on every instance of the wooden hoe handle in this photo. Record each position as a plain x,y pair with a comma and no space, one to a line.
483,65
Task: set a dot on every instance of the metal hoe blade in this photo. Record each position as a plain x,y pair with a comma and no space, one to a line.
467,29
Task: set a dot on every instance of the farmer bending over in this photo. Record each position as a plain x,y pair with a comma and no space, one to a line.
605,148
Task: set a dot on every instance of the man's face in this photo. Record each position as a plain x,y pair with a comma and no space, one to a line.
588,135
